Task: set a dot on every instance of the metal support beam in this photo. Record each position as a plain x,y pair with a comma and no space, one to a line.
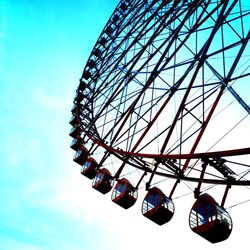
152,175
197,190
225,195
139,182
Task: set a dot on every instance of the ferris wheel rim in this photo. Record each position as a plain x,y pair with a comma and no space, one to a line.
201,155
97,139
124,156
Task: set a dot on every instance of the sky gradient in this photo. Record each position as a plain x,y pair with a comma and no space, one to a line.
45,202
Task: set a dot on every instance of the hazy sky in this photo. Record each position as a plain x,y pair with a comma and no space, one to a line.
44,202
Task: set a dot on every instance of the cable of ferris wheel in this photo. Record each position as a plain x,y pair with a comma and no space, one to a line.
228,131
237,204
203,190
198,170
245,173
237,163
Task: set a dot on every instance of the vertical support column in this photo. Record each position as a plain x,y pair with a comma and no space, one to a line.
152,175
106,155
92,146
225,194
197,190
139,182
117,175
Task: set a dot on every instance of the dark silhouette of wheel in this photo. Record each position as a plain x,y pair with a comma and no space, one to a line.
164,94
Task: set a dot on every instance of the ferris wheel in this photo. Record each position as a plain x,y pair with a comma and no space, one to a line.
164,97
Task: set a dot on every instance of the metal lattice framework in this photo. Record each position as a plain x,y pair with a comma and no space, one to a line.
165,92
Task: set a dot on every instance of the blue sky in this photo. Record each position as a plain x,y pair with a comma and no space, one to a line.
45,203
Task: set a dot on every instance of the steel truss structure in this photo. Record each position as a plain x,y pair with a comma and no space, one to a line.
165,92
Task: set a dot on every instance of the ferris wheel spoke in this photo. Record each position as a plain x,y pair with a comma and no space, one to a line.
145,46
118,87
141,116
182,117
202,53
134,18
118,46
237,59
142,31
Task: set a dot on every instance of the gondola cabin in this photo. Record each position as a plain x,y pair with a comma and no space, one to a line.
109,30
115,18
75,132
86,74
91,63
209,220
124,194
81,156
103,181
157,206
79,97
77,143
82,85
76,107
89,168
97,52
103,41
74,121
